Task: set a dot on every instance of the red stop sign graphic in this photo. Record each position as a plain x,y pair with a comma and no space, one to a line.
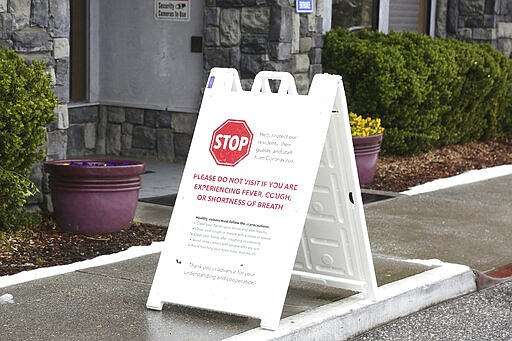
231,142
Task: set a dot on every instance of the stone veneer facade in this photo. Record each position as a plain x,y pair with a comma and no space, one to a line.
256,35
129,132
249,35
488,21
39,30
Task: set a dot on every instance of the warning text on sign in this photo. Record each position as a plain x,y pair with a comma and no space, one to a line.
259,193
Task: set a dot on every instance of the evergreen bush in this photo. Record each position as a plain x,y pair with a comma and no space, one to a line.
427,91
26,108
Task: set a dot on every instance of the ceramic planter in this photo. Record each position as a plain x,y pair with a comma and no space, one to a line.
366,149
94,196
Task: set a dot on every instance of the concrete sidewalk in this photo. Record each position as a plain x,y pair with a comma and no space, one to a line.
468,224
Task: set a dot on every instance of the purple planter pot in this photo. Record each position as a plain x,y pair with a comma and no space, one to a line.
367,150
94,199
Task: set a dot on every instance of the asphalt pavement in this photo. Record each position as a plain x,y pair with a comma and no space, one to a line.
482,315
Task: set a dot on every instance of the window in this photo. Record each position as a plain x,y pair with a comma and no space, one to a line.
409,16
384,15
353,14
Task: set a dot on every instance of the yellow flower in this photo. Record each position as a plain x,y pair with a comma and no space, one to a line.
360,126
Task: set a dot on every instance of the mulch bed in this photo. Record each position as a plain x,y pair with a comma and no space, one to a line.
399,173
45,245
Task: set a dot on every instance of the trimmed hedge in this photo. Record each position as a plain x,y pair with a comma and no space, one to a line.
427,91
26,107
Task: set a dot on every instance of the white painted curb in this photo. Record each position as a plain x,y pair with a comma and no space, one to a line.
468,177
354,315
132,252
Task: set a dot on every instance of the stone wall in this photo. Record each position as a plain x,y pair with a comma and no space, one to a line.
256,35
39,30
488,21
129,132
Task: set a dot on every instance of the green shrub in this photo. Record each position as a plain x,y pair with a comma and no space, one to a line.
26,107
427,91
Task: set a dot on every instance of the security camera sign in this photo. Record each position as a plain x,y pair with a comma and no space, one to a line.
176,10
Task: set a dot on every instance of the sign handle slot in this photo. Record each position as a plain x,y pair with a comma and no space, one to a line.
262,83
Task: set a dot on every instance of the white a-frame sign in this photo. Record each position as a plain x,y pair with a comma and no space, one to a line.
256,185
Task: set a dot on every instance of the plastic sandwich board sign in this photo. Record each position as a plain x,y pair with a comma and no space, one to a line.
244,199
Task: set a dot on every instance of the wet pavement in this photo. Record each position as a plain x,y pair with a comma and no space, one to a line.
417,243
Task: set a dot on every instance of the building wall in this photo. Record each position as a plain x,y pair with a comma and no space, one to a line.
256,35
488,21
39,30
249,35
129,132
142,61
